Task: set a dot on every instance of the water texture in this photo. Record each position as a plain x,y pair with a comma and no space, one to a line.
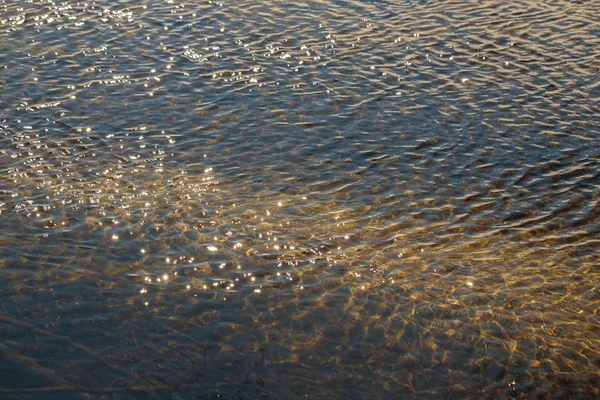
309,199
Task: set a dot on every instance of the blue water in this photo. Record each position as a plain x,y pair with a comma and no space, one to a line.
342,199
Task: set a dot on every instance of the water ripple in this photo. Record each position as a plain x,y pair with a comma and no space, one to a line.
341,199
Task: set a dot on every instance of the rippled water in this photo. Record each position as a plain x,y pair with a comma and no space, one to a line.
266,199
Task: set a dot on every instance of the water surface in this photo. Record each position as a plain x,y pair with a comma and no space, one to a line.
266,199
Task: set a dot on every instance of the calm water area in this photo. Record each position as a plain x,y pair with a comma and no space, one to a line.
248,199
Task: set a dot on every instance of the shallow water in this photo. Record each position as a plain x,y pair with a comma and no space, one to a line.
345,199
